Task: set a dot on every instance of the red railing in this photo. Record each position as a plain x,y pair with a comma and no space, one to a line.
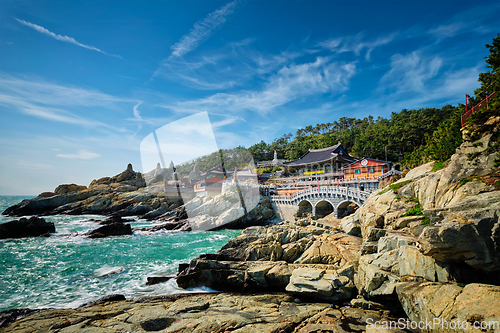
479,106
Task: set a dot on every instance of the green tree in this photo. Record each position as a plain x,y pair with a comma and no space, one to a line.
490,80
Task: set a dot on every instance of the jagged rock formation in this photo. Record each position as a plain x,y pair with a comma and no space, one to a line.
125,194
304,260
32,227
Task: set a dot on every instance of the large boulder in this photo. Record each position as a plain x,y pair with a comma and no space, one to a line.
452,308
236,276
460,205
397,260
476,244
350,224
293,244
322,283
32,227
307,280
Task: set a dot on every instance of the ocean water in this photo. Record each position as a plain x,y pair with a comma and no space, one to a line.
66,269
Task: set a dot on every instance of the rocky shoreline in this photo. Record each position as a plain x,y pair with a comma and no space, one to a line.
126,195
423,249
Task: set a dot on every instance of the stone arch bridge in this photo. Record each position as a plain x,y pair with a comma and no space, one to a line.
323,200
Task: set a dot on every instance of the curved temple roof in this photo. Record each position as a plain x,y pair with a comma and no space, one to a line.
322,155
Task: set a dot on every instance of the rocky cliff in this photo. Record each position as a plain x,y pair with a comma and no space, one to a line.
436,231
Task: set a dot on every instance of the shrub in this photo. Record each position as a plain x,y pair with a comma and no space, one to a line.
397,186
411,199
414,211
438,166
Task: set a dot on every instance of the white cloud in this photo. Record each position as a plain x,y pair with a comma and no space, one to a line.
82,154
202,30
48,101
410,72
356,44
43,92
230,66
137,114
289,83
62,38
448,30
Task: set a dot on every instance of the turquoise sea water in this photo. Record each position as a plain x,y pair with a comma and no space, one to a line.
66,269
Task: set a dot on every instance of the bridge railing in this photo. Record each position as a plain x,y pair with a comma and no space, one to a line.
480,105
325,190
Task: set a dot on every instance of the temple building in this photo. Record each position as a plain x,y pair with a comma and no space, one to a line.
333,166
320,164
366,173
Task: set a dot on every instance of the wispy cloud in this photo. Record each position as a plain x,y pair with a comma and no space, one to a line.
410,72
202,30
82,154
448,30
290,83
137,114
228,67
49,101
356,43
43,92
63,38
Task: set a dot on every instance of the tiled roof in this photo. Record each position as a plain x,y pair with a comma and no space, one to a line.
322,155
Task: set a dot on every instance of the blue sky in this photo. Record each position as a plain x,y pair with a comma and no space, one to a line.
82,83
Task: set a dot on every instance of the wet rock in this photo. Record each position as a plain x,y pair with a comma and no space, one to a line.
32,227
182,225
113,229
157,324
113,219
105,299
158,279
9,316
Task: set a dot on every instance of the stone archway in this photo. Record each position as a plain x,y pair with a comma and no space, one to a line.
305,207
324,208
346,208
